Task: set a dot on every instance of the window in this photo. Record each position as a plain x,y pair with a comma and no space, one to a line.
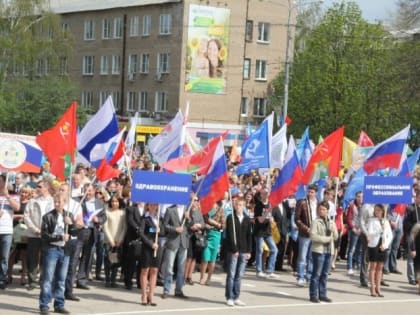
88,62
39,67
244,106
103,95
161,102
25,69
132,63
50,33
249,28
47,66
131,101
247,68
117,27
260,105
89,30
104,65
147,25
134,26
106,29
116,99
143,101
15,69
144,68
64,65
165,21
261,70
65,27
263,32
163,63
116,64
87,99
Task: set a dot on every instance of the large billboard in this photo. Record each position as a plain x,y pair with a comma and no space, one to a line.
207,49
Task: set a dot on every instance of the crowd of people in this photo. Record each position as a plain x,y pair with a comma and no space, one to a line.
67,233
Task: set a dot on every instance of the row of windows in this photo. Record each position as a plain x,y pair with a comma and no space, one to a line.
135,101
263,31
112,64
112,28
40,67
260,69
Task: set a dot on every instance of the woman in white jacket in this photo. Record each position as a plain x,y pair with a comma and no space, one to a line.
379,237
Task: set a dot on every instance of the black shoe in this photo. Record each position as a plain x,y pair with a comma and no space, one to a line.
325,299
72,297
61,311
30,286
385,272
44,312
82,286
384,284
412,282
3,285
164,295
107,284
99,278
396,272
114,285
181,295
314,300
364,284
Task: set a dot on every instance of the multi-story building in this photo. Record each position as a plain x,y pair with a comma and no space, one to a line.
155,56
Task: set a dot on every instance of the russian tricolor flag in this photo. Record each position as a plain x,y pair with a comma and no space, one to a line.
216,182
388,153
289,176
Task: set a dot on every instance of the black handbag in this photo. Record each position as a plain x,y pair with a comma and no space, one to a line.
200,240
136,246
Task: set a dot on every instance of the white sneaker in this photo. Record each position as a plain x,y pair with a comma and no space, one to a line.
272,276
350,272
261,275
300,283
230,303
238,302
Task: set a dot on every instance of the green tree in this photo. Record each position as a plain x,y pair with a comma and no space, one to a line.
344,75
34,52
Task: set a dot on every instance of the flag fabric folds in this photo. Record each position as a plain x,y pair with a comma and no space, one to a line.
387,154
278,148
364,140
304,149
347,154
169,143
327,155
216,182
256,150
199,162
112,150
289,176
17,155
99,129
60,142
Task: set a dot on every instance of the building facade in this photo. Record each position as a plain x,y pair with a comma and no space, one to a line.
155,57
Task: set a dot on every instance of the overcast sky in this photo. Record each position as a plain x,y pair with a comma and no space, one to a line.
372,10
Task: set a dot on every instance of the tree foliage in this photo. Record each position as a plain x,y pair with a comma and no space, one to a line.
34,52
408,14
347,74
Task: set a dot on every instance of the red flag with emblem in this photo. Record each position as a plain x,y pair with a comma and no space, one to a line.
59,143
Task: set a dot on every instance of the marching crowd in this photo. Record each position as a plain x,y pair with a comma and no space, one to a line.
66,233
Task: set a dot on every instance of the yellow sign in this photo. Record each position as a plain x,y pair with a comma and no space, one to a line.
141,138
149,129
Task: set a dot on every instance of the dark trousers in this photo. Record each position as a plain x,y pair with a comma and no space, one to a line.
34,253
364,263
75,248
281,246
86,241
131,267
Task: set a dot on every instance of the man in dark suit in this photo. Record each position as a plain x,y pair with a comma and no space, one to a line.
280,217
175,248
134,215
94,218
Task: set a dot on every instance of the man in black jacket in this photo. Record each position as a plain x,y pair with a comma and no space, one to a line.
412,216
238,251
55,229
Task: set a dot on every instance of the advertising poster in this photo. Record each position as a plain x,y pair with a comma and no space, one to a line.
207,49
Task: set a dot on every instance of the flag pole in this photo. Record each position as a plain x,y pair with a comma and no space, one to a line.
157,234
190,205
233,218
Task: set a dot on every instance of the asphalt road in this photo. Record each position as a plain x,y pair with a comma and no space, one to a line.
262,296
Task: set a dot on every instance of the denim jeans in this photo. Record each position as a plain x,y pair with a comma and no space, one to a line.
318,285
54,272
304,259
353,239
391,258
168,267
410,262
235,272
271,261
5,244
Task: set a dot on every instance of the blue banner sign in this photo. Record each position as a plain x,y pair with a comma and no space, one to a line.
388,190
156,187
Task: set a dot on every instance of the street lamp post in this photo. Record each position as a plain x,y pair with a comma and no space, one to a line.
287,57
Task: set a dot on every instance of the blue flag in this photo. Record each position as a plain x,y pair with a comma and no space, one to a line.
355,185
304,149
256,149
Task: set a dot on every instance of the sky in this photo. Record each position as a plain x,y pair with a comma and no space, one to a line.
372,10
